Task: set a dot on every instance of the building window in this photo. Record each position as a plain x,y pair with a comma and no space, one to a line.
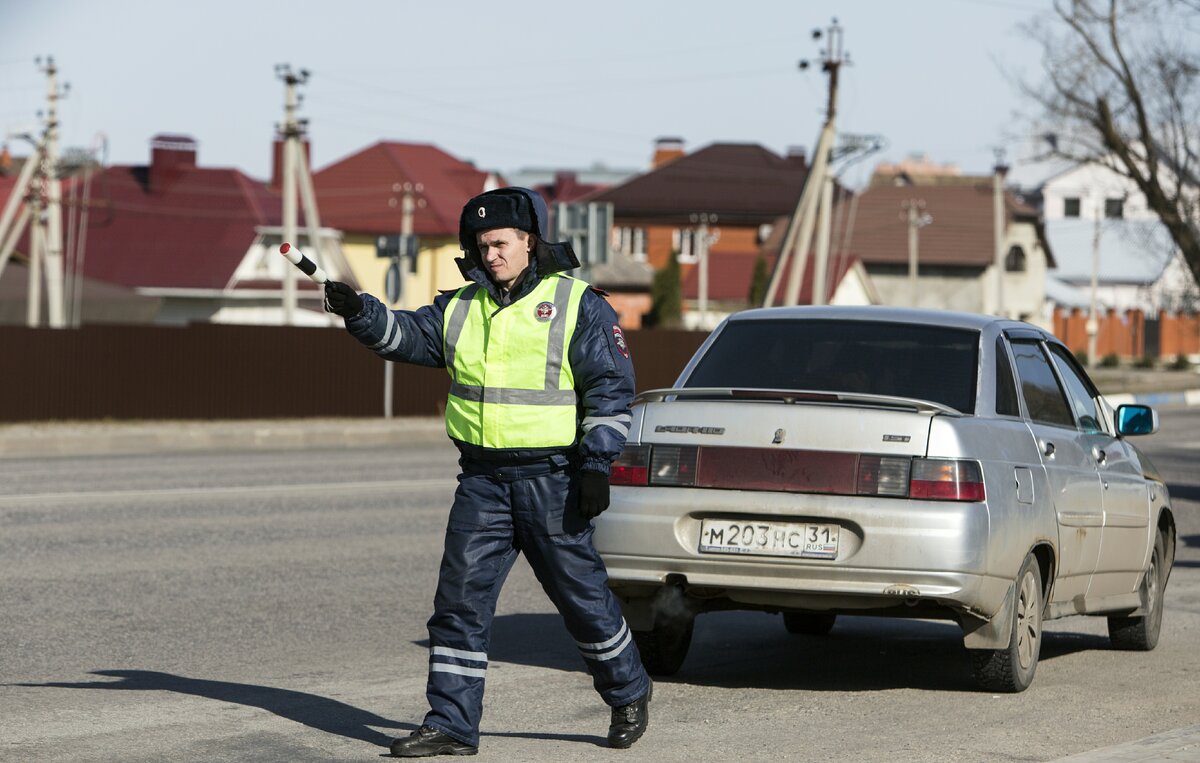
683,242
1114,208
1071,206
630,241
1014,262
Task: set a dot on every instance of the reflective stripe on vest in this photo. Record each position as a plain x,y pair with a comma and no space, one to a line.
511,386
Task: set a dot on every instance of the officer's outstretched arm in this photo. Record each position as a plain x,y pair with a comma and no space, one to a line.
401,335
604,381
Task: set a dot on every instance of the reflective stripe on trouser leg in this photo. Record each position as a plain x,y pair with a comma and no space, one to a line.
478,554
557,541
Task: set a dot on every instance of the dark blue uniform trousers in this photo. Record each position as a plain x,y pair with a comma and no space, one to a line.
498,512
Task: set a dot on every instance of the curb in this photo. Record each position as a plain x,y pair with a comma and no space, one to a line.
43,439
126,438
1157,399
1182,744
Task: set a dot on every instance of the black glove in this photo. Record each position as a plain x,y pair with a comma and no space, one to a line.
342,300
593,493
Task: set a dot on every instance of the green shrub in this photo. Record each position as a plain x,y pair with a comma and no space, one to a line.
1082,357
760,280
666,296
1180,363
1145,362
1110,361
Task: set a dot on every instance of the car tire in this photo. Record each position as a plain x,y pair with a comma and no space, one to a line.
1141,633
664,648
1011,669
809,623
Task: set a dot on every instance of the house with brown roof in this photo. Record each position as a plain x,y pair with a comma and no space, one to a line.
202,241
740,188
363,196
955,247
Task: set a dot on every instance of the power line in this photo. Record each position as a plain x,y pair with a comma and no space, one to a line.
670,54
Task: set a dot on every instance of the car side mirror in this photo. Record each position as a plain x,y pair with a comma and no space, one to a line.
1136,419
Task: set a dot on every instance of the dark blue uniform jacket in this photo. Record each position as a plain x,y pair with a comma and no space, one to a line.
598,355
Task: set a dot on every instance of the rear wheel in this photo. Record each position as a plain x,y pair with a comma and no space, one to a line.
1141,633
809,623
664,648
1012,669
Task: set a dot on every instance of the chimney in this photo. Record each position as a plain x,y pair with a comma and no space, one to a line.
564,185
797,155
277,161
667,150
170,157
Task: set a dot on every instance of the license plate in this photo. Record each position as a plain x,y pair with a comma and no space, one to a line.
809,541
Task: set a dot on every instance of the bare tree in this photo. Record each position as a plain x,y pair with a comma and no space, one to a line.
1121,87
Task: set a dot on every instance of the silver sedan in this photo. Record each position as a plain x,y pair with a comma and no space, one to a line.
821,462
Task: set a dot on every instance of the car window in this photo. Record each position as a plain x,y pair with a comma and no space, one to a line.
1006,388
869,357
1079,392
1043,397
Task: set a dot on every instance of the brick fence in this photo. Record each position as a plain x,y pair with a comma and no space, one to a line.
1130,335
212,371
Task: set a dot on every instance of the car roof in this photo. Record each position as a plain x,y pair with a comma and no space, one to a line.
946,318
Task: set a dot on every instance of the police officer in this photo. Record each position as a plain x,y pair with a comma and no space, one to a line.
540,388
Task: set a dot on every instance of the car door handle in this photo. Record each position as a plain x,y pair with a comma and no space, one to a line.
1099,455
1048,448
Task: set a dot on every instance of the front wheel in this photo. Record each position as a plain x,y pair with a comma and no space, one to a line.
1141,633
1012,669
664,648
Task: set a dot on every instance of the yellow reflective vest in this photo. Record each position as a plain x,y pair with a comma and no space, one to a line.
511,382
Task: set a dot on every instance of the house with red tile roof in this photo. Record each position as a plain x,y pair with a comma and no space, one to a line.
203,241
363,196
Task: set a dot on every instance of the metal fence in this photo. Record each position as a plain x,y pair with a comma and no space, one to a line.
208,371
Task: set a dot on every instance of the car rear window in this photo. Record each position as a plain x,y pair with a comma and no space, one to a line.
868,357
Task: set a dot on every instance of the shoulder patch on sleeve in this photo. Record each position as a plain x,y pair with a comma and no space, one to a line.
619,340
599,291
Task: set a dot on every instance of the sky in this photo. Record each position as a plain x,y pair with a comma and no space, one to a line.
547,84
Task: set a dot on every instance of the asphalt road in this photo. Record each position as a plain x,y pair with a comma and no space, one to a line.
267,605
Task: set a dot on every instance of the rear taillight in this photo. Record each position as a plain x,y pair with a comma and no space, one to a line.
946,480
673,465
632,467
799,471
883,475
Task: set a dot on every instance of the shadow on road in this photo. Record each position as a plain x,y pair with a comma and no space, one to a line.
753,650
537,640
1184,492
1188,541
314,711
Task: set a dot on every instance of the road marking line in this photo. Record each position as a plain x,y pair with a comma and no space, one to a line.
100,495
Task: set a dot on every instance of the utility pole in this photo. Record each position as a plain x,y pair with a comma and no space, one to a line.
296,175
53,184
998,217
400,259
821,266
1093,321
36,201
916,220
702,241
817,195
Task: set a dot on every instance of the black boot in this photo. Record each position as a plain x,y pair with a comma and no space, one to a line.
427,741
629,721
